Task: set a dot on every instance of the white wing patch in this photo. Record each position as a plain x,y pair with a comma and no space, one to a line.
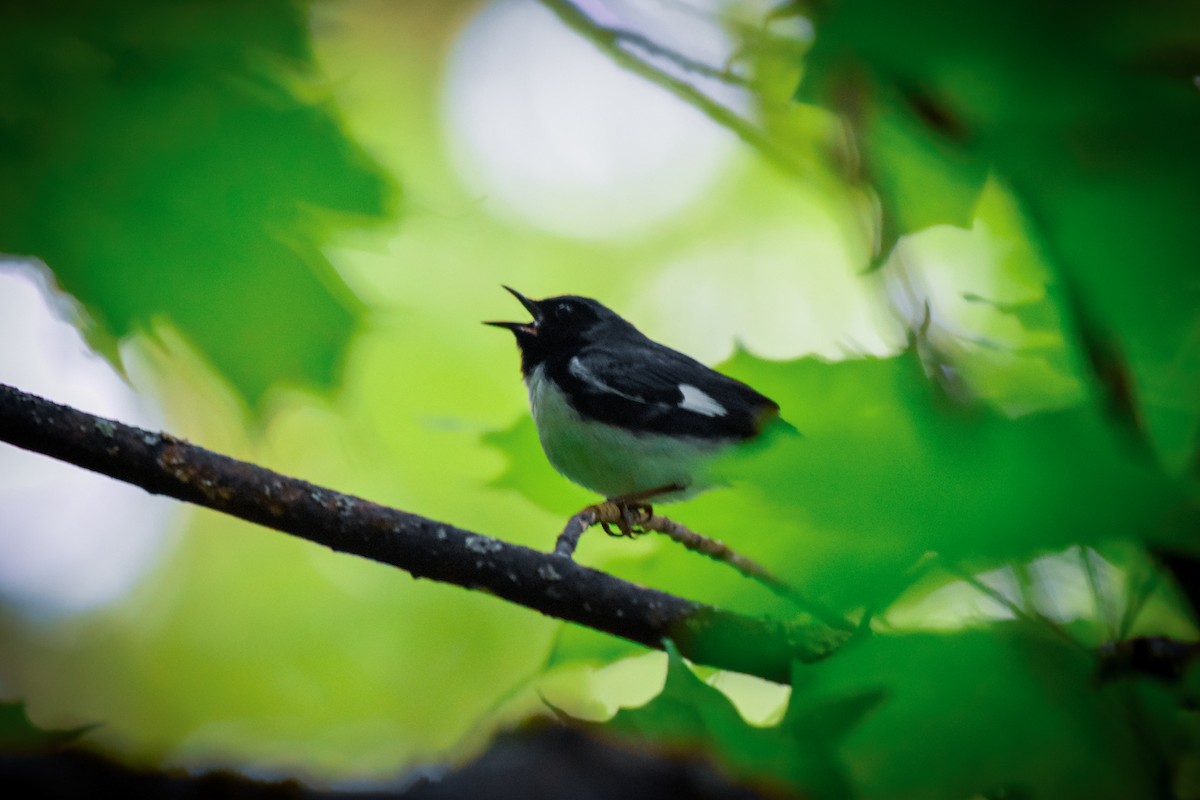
697,401
694,400
577,368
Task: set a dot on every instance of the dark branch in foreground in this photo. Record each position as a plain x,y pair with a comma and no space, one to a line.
546,582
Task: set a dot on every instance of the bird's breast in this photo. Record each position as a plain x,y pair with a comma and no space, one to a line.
608,459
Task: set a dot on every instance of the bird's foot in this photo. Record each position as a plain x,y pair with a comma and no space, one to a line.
630,513
630,518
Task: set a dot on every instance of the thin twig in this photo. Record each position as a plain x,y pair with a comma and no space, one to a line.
1104,609
1137,594
611,42
609,513
1017,611
723,553
724,74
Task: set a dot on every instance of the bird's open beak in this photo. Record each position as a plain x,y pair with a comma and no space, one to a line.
528,328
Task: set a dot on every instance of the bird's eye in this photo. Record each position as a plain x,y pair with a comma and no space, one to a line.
564,310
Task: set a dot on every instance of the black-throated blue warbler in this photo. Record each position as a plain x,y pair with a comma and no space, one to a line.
623,415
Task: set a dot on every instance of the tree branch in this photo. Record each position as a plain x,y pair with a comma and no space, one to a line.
551,584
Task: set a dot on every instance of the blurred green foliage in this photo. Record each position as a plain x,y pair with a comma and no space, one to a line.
19,734
1007,709
1091,116
163,165
168,162
799,752
1006,712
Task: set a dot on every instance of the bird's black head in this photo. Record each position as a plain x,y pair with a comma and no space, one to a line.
560,325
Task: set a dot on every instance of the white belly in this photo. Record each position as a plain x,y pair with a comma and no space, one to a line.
611,461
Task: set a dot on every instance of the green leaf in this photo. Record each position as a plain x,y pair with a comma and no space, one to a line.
17,733
910,142
830,720
689,713
1092,120
164,165
575,644
889,471
1004,709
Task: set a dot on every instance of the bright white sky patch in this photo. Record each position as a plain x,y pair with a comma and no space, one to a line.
69,539
546,128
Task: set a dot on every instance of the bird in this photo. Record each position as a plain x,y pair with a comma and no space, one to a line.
624,416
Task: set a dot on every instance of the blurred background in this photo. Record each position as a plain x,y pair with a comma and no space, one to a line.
957,246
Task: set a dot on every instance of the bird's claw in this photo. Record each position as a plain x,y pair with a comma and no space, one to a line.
629,519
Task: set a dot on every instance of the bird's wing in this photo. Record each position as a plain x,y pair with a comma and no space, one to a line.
655,389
